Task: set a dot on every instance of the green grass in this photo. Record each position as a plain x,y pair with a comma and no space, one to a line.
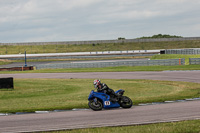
175,56
30,95
33,49
121,69
4,62
192,126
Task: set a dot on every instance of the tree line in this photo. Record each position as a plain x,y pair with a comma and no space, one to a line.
161,36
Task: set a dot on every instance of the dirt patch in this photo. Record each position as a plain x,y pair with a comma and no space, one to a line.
23,68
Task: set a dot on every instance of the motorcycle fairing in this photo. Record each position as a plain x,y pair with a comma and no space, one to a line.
104,98
119,92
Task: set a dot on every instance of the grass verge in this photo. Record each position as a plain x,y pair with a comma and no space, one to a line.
121,69
30,95
4,62
33,49
172,127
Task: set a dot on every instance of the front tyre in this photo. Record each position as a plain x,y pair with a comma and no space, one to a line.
125,102
96,106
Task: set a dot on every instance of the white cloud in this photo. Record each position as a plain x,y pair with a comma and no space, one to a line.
59,20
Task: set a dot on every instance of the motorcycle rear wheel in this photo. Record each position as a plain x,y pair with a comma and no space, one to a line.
126,102
96,106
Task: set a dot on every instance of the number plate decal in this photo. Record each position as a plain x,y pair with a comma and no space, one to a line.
107,102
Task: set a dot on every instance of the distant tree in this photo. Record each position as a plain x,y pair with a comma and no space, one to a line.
161,36
121,38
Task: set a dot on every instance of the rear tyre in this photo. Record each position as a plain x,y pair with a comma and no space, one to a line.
96,106
125,102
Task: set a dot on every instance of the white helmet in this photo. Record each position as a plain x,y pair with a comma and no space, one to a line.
96,83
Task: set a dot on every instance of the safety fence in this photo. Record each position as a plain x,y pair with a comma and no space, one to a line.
183,51
81,54
168,62
194,61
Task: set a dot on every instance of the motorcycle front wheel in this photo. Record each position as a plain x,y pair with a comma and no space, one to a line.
96,106
126,102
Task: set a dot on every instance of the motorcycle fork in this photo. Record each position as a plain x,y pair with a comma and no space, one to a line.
95,100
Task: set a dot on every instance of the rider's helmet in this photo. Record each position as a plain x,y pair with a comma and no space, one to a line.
96,83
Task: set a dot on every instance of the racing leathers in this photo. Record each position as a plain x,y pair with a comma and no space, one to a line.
105,89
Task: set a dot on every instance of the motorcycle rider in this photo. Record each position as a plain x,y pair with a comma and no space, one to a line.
101,87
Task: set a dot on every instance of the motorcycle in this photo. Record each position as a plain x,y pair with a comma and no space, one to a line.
99,100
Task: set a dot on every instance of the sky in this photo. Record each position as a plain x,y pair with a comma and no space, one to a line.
80,20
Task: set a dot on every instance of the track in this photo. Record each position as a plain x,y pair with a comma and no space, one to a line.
85,119
188,76
88,118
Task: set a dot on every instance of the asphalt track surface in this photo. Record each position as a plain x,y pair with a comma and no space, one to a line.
168,112
188,76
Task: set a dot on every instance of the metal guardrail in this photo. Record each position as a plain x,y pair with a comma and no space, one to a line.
194,61
81,53
169,62
183,51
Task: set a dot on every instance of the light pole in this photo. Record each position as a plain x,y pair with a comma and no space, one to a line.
25,59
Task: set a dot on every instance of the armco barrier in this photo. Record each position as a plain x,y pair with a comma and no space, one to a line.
183,51
194,61
97,53
169,62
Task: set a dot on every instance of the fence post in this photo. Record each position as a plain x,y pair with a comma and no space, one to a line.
179,61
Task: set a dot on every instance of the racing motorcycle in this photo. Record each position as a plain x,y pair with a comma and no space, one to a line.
99,100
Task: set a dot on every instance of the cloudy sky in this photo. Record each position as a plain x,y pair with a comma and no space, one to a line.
75,20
